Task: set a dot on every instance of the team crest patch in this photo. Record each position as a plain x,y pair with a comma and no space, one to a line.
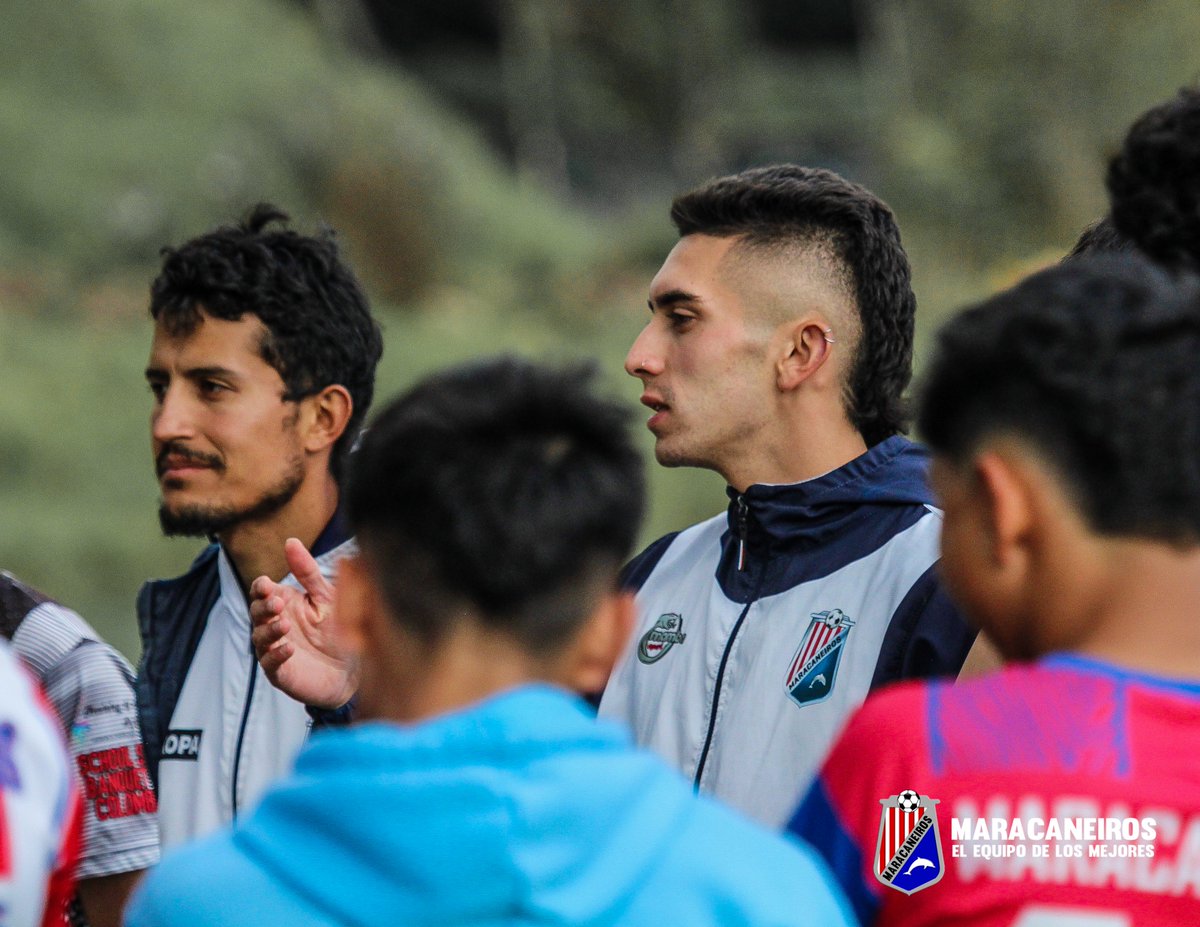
666,633
909,855
815,664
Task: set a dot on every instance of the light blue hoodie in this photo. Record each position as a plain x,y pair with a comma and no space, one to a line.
520,810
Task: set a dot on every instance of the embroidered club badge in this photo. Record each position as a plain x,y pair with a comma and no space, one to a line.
666,633
908,857
813,668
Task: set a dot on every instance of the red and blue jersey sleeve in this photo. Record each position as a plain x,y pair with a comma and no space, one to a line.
882,751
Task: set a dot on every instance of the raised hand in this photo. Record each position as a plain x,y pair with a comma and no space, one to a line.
293,634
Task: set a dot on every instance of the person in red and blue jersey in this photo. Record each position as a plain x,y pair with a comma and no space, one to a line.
1064,417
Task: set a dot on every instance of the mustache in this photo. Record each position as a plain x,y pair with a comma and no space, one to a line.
178,451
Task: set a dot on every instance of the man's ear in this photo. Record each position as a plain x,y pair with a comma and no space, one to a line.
600,642
325,416
806,347
1009,508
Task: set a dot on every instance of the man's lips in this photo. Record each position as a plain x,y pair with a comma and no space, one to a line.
175,464
661,409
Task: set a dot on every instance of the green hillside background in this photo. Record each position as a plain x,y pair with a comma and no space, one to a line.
510,202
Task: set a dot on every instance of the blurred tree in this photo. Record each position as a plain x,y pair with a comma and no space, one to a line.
996,118
625,100
530,32
127,125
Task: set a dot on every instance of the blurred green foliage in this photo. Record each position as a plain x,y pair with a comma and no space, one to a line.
996,119
129,124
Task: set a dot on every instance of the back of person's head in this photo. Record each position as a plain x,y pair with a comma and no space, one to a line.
1093,365
1154,182
320,331
504,491
1101,237
788,206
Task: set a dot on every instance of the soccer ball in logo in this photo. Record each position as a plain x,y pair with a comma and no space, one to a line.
909,800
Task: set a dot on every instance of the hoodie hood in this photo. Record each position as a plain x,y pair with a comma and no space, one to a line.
840,516
523,803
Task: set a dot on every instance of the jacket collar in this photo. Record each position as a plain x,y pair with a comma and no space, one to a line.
334,534
892,472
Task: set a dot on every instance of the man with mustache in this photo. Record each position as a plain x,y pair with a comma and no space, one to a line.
261,368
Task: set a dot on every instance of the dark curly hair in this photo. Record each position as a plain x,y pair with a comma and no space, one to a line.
1154,182
1092,363
504,486
320,330
1101,237
787,203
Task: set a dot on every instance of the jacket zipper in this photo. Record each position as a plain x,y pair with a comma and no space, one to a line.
712,710
742,527
237,753
741,524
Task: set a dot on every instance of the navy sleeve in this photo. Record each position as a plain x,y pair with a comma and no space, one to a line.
927,636
633,575
331,717
817,824
638,570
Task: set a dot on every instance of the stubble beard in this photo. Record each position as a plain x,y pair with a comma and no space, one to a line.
200,520
681,447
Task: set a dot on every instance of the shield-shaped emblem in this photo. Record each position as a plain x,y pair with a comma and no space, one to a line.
815,664
908,857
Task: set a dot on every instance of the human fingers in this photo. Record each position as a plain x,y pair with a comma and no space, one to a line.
304,567
268,634
262,587
272,659
265,608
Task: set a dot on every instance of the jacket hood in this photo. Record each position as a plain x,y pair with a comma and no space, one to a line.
893,472
822,524
519,804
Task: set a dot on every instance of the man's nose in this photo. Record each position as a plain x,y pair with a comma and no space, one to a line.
171,418
644,359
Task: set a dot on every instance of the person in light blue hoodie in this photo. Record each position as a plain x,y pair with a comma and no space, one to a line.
493,505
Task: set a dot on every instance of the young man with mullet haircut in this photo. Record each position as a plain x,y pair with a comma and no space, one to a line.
777,353
1064,417
493,506
261,369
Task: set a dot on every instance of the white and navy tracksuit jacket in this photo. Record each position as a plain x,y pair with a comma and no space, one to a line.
761,630
216,732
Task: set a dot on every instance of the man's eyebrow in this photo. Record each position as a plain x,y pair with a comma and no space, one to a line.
672,298
205,373
197,373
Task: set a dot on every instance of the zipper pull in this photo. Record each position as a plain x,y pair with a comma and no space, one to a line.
743,529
